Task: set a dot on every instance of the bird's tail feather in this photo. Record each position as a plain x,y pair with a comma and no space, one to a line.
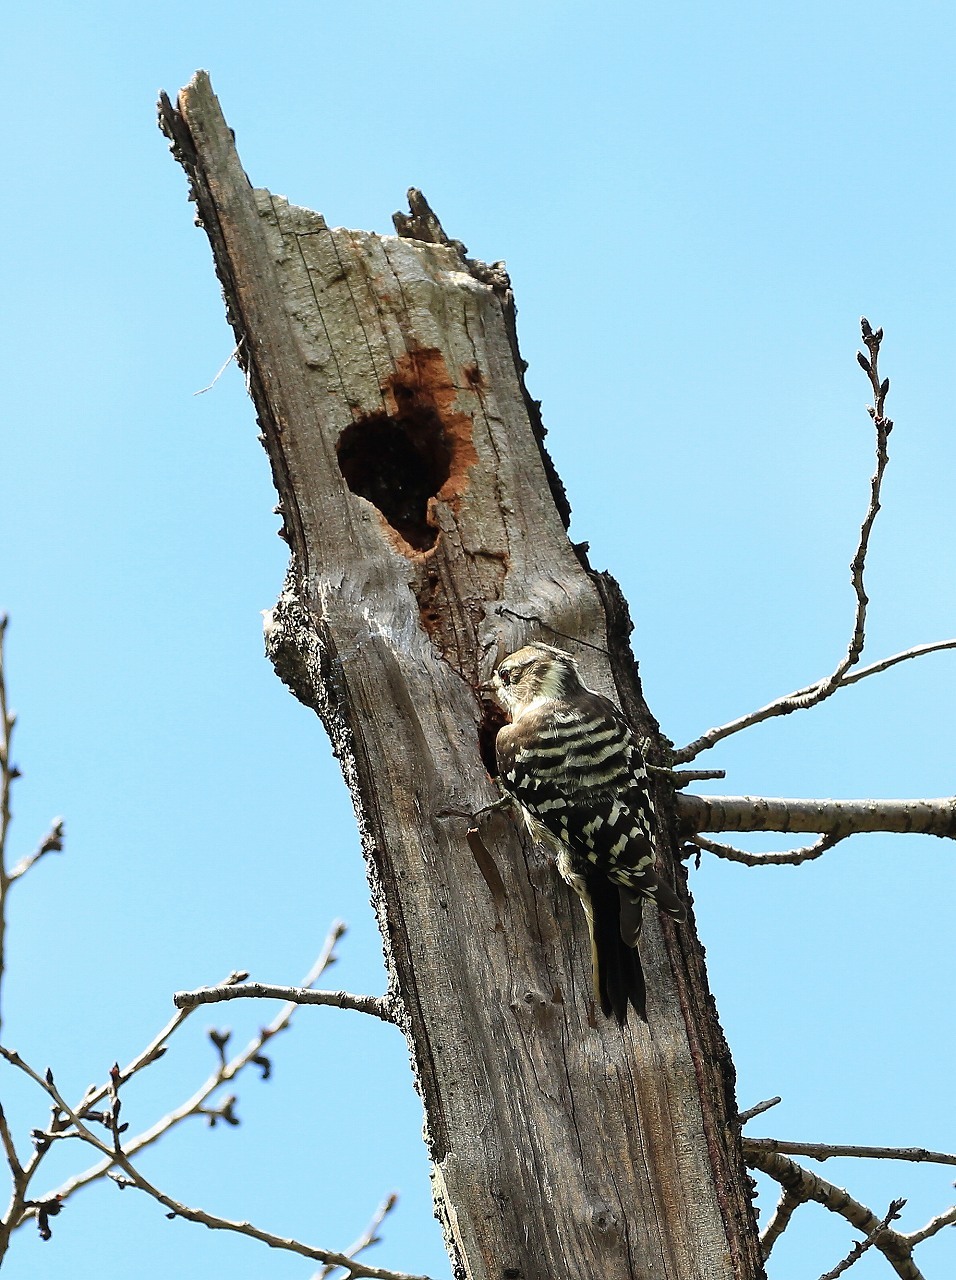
618,976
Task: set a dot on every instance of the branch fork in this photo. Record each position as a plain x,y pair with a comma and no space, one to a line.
813,694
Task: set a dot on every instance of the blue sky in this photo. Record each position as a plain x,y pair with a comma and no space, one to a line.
696,203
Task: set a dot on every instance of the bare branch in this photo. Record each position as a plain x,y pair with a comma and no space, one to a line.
368,1237
883,427
121,1160
20,1173
6,729
195,1105
826,1151
354,1270
19,1183
813,694
19,1208
861,1246
780,1220
917,651
758,1151
680,778
757,1110
830,817
946,1219
228,361
789,857
52,842
804,1185
792,702
375,1006
152,1053
6,1137
7,774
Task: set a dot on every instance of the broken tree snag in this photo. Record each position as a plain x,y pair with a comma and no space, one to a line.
428,539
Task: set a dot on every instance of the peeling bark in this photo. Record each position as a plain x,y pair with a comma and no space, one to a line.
428,538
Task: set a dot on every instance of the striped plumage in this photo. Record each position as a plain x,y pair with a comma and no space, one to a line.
572,764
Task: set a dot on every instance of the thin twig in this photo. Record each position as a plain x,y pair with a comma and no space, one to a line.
757,1110
884,426
10,1150
202,390
152,1053
52,842
812,695
196,1105
945,1219
118,1157
368,1237
20,1208
375,1006
917,651
789,857
680,778
827,1151
861,1246
7,775
20,1173
805,1185
19,1184
779,1221
792,701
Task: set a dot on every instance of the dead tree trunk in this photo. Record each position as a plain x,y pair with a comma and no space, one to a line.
428,537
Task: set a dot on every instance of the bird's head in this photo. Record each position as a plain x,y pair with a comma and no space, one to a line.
535,672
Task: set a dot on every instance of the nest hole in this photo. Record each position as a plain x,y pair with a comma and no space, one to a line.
398,463
492,719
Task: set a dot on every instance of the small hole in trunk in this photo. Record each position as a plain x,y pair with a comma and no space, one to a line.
398,463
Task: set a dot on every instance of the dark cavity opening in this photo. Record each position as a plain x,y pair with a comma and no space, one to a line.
398,463
492,719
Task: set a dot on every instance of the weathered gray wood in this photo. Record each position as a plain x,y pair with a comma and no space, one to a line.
837,817
562,1145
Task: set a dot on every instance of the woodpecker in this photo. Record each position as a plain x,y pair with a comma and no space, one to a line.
572,765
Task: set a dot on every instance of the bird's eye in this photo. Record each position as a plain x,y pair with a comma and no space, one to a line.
504,676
